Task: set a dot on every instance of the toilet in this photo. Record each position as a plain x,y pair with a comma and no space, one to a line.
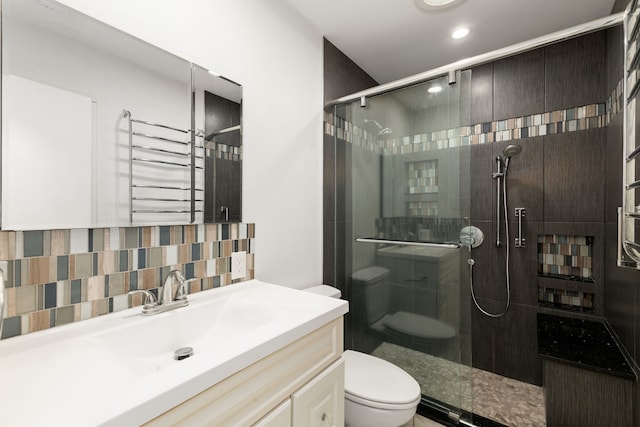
377,393
409,329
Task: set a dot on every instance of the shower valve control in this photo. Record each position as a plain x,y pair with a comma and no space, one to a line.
520,241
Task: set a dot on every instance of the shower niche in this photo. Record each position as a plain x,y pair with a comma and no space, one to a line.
565,270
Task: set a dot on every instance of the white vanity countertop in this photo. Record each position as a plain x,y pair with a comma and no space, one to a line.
118,369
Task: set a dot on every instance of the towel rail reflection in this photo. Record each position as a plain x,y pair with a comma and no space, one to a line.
142,190
446,245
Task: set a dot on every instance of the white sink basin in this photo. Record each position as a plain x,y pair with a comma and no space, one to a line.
120,368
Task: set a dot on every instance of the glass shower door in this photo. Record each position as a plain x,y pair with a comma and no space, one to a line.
406,200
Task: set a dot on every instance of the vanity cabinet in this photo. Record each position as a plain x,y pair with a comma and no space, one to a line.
304,378
279,417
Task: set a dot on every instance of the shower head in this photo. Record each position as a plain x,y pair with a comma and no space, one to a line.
381,131
509,152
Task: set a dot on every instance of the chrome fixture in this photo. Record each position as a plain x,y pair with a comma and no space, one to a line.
502,164
381,131
520,241
445,245
598,24
166,301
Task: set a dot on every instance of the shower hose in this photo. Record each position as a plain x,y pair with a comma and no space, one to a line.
471,261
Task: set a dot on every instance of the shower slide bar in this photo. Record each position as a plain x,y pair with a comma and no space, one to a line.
447,245
157,193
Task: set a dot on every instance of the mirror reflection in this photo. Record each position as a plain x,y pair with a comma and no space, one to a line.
100,129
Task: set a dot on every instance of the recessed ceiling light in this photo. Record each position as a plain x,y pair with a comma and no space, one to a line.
434,89
460,33
436,5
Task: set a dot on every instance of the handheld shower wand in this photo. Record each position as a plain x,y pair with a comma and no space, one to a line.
502,163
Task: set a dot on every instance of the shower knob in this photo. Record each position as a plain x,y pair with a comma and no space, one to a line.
471,236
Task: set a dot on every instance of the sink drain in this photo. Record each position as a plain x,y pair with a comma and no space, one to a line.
183,353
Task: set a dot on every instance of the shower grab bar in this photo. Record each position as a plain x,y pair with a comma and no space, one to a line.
520,241
447,245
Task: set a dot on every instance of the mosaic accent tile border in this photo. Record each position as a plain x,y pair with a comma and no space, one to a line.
224,151
566,257
55,277
560,121
563,298
569,120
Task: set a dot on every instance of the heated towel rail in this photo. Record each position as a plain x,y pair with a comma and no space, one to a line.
629,214
163,161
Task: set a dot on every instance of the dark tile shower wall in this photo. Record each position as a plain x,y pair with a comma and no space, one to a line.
559,178
567,178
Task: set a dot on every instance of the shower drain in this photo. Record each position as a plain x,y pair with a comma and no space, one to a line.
183,353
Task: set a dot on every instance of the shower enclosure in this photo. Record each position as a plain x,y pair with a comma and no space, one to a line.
402,208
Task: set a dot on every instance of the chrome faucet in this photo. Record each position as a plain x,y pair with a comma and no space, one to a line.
166,299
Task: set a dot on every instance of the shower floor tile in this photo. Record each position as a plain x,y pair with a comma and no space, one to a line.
505,400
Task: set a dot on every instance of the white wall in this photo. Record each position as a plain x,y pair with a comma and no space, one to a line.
113,84
277,57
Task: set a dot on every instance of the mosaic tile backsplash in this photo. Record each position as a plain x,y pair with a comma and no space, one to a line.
55,277
566,257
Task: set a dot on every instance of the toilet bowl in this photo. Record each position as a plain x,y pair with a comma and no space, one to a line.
409,329
377,393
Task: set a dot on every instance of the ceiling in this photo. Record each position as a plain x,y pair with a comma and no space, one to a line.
392,39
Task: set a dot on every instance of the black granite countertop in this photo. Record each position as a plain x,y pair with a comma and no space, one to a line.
581,343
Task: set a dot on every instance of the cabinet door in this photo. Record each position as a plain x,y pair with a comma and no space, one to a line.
320,403
279,417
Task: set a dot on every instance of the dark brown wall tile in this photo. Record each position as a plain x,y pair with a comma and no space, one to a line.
573,176
518,85
482,94
575,72
615,56
342,76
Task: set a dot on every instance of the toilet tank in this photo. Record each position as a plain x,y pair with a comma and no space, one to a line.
371,288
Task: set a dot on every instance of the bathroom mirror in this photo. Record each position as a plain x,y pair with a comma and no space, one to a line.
101,129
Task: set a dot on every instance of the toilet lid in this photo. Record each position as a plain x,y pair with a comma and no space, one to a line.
377,383
420,326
